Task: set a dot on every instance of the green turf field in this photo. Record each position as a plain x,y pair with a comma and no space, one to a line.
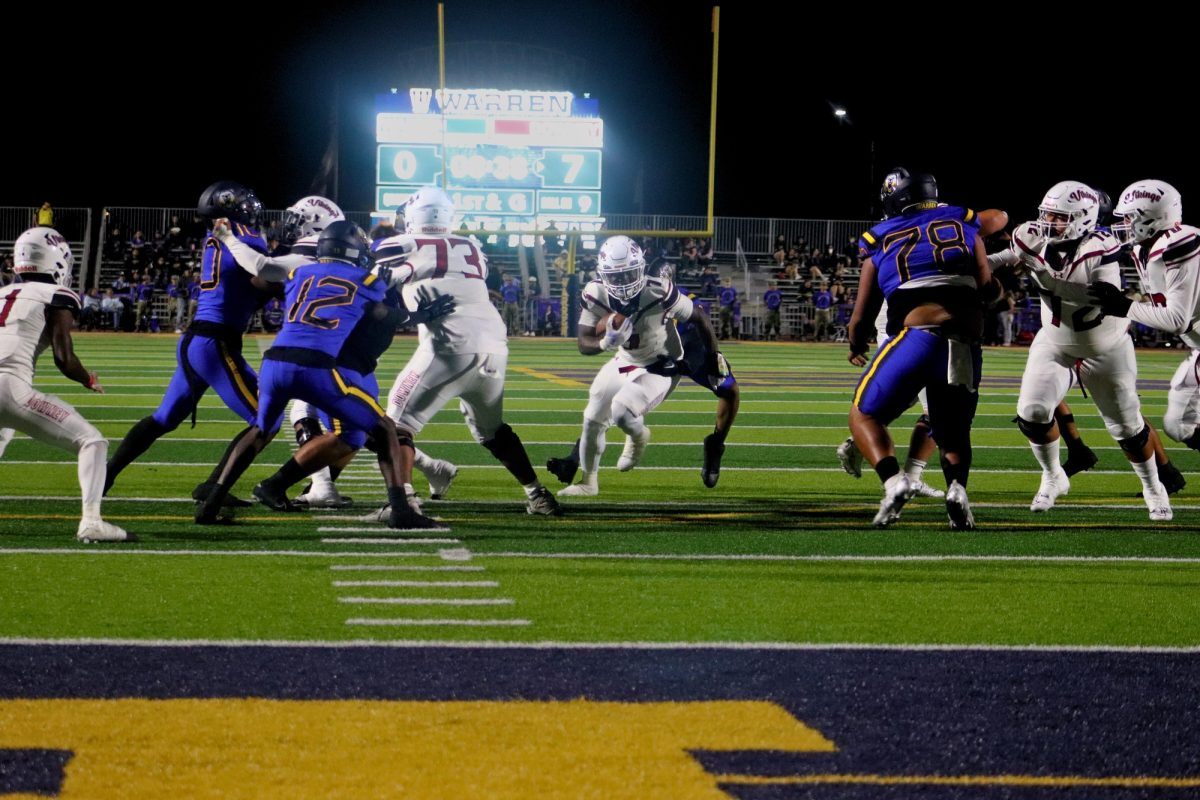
780,551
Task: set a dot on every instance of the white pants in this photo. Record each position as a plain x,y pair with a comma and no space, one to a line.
1183,401
430,380
622,390
43,416
1109,377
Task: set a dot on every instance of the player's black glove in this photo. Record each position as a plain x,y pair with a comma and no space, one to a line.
1111,300
430,309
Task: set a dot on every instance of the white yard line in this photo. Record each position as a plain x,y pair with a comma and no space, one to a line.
428,601
442,622
431,584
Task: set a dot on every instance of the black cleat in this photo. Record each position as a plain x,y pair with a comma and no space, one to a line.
563,468
207,515
713,450
404,518
1079,459
203,490
276,501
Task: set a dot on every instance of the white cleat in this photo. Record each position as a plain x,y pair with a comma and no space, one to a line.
896,492
97,530
635,446
850,458
580,490
922,489
1159,505
958,508
440,476
324,497
1052,487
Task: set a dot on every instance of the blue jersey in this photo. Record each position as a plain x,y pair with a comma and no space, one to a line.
227,297
511,293
728,296
921,247
773,299
325,300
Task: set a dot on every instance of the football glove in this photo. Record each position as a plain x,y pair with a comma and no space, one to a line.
1111,300
430,309
93,383
1029,244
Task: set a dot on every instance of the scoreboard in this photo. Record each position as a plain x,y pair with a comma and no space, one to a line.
515,158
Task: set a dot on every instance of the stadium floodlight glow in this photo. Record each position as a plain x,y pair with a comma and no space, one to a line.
839,112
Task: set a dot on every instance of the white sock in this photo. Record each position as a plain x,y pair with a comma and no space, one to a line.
532,489
422,462
914,467
322,481
591,446
590,478
1147,471
1047,456
92,471
6,435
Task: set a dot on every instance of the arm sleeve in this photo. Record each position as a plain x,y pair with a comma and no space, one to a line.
270,269
1180,277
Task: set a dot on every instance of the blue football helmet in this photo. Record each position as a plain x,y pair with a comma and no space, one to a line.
232,200
344,241
901,190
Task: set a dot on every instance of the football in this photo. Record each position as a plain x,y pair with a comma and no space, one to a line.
602,325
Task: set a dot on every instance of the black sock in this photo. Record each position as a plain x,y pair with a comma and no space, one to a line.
955,472
397,498
507,448
887,467
289,474
220,467
719,436
137,441
1193,441
334,472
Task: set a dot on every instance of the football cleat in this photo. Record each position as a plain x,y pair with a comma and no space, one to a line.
635,447
543,503
1079,459
207,515
580,489
273,499
202,491
326,496
97,530
850,458
408,520
710,473
922,489
440,475
1052,487
958,508
563,468
896,492
1160,505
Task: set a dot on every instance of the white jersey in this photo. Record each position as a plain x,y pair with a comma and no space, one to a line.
274,269
428,266
1061,275
23,332
1170,273
654,310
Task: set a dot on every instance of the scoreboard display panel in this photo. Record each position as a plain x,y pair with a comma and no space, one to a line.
521,159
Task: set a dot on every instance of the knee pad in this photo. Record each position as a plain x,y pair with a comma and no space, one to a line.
1033,430
307,428
1193,441
405,439
1134,444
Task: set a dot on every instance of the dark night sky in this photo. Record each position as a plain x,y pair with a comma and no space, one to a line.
146,117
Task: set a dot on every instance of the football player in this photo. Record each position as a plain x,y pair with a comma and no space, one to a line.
463,354
1167,255
325,300
210,352
302,225
1064,253
36,311
637,312
695,364
927,261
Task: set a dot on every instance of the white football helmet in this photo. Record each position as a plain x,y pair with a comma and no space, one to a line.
43,251
309,215
1146,208
622,267
1069,211
429,210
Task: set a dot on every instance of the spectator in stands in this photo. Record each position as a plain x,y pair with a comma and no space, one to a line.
773,300
531,307
177,301
112,308
553,243
175,240
781,254
137,241
728,301
89,316
114,243
45,216
689,255
823,312
143,296
709,279
551,326
1006,309
120,284
272,316
510,297
6,270
134,262
790,271
193,296
838,290
706,252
